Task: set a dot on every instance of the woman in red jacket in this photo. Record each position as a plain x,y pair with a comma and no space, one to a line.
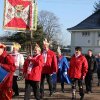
77,72
32,71
6,63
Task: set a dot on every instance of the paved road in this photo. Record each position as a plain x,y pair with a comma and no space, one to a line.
62,96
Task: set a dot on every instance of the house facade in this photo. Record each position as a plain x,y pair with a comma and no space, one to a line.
87,34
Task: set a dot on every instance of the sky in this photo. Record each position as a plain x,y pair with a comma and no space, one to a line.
69,12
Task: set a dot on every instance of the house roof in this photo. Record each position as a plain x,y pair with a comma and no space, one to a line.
92,22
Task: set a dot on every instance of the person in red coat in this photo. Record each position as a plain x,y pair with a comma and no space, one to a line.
77,72
7,63
32,70
50,66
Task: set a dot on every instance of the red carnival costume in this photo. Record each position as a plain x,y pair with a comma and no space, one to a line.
51,64
36,70
32,71
7,62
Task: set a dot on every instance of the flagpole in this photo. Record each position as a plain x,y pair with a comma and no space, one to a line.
34,27
32,32
31,47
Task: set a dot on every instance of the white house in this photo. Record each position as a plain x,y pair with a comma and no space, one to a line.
87,34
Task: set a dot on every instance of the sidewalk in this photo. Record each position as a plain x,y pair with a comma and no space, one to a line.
62,96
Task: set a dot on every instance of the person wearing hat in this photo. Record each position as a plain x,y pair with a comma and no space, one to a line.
32,71
77,72
63,67
19,61
6,63
49,67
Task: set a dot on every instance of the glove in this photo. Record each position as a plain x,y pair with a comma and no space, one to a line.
65,73
54,72
51,74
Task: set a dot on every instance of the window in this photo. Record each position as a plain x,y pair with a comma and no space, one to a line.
88,41
85,33
98,34
98,42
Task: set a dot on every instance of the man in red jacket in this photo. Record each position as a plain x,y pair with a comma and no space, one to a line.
32,70
77,72
6,63
50,66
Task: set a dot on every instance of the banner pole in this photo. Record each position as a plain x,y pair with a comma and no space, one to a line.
32,32
31,47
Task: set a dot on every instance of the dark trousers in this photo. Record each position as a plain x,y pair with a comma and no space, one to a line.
15,85
54,87
35,88
88,82
98,75
49,81
62,86
80,85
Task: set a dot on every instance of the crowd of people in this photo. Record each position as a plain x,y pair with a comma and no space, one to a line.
46,64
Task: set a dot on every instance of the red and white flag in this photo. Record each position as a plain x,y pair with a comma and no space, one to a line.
17,14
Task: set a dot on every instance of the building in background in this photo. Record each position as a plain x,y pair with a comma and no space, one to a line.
87,34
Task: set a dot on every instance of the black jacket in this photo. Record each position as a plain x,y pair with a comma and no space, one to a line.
91,63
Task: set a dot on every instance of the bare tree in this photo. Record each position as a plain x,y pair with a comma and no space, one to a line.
50,23
97,6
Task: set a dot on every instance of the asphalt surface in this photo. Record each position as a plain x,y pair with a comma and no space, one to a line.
58,95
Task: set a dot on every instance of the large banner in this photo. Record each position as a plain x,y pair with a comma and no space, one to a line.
18,14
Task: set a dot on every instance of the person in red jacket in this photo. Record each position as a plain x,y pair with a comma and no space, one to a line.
6,63
50,66
77,71
32,70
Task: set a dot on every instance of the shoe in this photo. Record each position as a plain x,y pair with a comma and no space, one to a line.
51,93
41,96
15,95
54,91
88,92
91,91
82,97
98,84
73,98
63,90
